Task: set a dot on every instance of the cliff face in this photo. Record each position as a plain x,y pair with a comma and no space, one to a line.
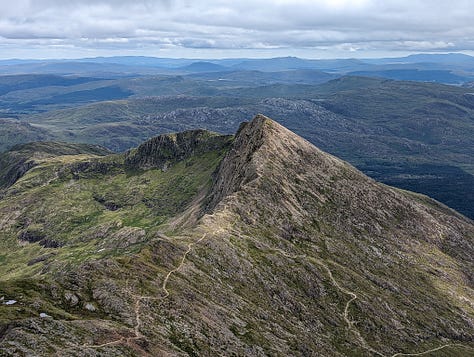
21,158
168,149
237,168
293,253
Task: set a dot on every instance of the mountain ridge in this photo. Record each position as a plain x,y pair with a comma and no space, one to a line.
293,252
22,157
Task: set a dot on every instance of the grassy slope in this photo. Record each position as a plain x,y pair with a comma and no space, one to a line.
17,161
76,209
76,206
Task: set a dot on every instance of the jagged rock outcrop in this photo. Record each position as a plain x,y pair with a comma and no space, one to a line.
237,168
167,149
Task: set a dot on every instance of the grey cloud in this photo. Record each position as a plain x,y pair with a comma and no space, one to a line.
344,25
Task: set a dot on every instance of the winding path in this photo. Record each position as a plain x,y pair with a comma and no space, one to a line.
345,314
138,303
429,351
165,282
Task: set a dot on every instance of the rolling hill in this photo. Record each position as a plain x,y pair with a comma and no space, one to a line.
13,132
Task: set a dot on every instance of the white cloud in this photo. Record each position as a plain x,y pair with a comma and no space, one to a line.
340,26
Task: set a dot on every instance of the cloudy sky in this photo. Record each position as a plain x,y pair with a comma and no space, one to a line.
240,28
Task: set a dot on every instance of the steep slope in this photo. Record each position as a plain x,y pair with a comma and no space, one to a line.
287,251
71,196
166,150
21,158
401,262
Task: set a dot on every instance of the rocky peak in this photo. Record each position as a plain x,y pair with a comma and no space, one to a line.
167,149
274,177
262,147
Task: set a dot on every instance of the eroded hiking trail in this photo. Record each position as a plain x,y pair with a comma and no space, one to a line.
345,315
432,350
132,341
183,259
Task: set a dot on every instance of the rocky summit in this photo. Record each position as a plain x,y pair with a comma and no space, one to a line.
198,244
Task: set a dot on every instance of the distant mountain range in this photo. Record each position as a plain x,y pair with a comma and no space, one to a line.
450,68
